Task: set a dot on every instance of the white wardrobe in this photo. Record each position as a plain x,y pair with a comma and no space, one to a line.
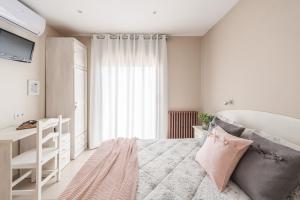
66,87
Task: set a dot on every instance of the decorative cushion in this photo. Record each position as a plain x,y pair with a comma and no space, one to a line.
230,128
220,154
268,171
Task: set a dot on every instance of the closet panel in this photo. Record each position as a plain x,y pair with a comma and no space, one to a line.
66,87
80,101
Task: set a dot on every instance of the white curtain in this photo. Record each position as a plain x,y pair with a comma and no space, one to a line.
128,87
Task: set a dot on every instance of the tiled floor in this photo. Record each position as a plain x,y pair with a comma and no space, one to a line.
52,190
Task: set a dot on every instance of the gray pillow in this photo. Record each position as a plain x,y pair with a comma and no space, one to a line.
267,171
228,127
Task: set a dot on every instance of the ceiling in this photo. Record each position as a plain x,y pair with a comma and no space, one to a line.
173,17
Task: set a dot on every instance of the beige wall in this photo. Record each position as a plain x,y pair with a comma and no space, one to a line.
184,73
253,56
14,76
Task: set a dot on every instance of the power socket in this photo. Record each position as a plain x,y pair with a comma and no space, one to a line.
18,118
18,115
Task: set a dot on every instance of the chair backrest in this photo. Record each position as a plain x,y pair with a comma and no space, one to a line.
55,127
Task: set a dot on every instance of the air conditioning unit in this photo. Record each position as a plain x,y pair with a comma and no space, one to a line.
19,14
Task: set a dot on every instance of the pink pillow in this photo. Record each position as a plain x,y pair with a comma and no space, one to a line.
220,154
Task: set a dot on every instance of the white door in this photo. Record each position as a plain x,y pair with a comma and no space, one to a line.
80,101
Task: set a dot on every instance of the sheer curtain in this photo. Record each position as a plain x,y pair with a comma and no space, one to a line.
128,87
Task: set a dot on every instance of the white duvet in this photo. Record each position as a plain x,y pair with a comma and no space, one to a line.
168,171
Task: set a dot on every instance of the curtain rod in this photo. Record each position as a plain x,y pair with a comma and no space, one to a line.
124,35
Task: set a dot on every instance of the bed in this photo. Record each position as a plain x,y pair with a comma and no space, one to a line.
166,169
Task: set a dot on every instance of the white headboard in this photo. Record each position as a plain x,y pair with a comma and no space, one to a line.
274,124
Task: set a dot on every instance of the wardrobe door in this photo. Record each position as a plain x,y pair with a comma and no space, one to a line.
80,88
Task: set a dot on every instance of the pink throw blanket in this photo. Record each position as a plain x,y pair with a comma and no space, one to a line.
110,174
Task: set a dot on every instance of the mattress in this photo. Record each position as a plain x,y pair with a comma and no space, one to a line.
168,171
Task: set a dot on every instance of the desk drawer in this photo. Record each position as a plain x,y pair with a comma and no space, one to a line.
80,143
65,141
64,159
65,150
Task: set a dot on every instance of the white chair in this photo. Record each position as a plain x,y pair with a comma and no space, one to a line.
34,159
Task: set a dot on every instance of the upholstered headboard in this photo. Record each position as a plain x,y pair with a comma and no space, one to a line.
274,124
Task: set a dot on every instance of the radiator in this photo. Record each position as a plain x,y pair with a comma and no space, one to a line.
180,124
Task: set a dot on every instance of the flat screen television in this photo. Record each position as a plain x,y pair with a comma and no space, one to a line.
14,47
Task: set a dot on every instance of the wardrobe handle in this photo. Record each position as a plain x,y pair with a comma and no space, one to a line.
76,105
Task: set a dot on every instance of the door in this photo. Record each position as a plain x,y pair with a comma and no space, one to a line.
80,101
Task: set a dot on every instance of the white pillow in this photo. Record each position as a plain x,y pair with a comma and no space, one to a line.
272,138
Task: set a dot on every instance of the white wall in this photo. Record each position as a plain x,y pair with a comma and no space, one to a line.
14,76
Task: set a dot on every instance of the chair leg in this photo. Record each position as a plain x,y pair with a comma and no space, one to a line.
58,168
38,183
33,176
57,177
38,194
38,191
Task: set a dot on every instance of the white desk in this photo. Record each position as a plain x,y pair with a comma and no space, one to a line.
7,137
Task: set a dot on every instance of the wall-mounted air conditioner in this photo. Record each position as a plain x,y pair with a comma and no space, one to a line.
19,14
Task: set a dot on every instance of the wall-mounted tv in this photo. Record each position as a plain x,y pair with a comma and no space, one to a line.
14,47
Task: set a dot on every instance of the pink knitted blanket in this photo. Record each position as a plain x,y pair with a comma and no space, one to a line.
110,174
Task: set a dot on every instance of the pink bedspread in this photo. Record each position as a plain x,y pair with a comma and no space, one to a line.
110,174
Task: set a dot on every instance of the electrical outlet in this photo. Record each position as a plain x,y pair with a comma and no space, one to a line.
18,118
18,115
